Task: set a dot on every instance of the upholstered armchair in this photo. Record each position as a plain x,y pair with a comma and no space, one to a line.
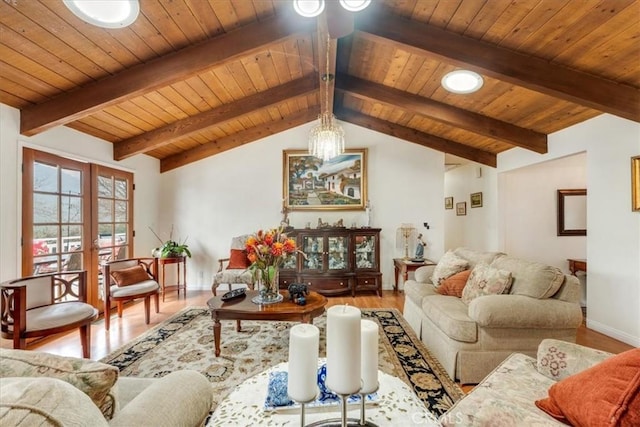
44,305
129,279
232,272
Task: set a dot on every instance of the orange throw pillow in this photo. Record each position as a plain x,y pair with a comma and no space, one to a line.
130,276
454,285
607,394
238,259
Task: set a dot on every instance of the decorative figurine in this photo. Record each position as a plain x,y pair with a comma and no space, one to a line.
298,292
339,224
367,223
420,247
322,224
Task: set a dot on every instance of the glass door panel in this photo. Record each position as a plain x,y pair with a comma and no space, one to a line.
365,252
338,253
313,246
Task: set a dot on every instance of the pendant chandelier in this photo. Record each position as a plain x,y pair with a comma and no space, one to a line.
326,139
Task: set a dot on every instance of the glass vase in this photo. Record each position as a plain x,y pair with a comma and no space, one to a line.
266,279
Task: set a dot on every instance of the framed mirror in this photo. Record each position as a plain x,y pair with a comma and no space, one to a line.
572,212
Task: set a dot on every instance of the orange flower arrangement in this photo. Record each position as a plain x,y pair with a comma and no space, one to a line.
269,248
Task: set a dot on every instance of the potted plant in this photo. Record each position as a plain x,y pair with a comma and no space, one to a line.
170,248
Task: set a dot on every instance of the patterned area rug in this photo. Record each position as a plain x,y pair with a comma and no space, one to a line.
185,341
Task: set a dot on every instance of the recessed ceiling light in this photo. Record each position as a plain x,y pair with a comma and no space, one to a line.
308,8
105,13
462,81
355,5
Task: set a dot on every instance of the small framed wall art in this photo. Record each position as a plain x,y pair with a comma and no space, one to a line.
448,202
476,200
461,208
635,184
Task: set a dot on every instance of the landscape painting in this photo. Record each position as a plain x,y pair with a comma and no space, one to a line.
313,184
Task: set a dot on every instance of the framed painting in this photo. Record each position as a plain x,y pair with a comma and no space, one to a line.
309,183
461,208
476,200
635,184
448,202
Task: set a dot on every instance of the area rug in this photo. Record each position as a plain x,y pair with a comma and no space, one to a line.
185,341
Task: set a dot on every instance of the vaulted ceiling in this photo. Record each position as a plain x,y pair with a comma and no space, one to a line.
193,78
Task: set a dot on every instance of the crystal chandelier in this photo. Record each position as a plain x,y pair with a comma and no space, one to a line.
326,139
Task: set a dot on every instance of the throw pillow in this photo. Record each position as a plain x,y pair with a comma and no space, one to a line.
130,276
238,259
485,280
448,265
95,379
607,394
455,284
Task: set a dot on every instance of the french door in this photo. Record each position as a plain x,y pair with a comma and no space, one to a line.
75,215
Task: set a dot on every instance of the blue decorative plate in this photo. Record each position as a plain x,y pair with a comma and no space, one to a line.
277,396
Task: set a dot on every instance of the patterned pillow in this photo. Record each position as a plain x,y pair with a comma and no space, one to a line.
448,265
455,284
130,276
95,379
485,280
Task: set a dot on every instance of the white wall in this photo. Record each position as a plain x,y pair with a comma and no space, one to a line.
65,142
478,229
240,191
613,230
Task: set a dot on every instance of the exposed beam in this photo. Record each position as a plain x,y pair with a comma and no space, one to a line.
232,141
417,137
160,72
215,117
519,69
443,113
326,50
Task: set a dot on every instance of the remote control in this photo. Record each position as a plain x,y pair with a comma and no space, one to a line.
236,293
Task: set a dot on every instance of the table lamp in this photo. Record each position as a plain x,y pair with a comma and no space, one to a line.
405,234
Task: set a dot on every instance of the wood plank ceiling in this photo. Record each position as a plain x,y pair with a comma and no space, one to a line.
193,78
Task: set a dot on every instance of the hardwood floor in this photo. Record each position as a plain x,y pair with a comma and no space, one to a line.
132,325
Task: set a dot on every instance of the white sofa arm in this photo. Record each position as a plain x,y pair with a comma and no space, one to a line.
560,359
182,398
519,311
423,274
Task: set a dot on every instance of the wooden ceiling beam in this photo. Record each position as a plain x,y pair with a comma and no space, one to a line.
326,49
417,137
236,140
516,68
160,72
215,117
443,113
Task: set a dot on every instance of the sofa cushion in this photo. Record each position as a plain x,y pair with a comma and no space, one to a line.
560,359
448,265
95,379
476,257
26,402
450,314
530,278
455,284
416,291
607,394
485,280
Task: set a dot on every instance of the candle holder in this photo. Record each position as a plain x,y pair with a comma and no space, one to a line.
302,408
343,421
363,396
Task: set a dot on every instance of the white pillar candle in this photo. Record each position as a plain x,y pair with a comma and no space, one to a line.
343,349
369,349
302,384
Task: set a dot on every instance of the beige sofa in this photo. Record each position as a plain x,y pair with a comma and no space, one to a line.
507,396
42,389
471,340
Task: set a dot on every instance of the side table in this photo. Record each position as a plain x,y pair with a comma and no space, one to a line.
181,279
397,405
404,266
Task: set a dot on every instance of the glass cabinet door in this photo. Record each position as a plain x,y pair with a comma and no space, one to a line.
338,252
313,247
365,252
290,263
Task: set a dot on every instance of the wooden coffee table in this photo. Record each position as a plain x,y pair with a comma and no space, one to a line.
243,309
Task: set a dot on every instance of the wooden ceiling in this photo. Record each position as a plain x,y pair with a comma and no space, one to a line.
193,78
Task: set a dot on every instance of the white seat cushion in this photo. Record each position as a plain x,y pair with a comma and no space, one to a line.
233,276
52,316
137,289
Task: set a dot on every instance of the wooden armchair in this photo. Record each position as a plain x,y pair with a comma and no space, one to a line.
44,305
232,272
128,279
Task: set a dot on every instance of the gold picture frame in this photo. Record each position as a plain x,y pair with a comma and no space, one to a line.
635,184
476,200
461,208
310,183
448,202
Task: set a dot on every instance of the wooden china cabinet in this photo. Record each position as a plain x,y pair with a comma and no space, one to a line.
338,260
